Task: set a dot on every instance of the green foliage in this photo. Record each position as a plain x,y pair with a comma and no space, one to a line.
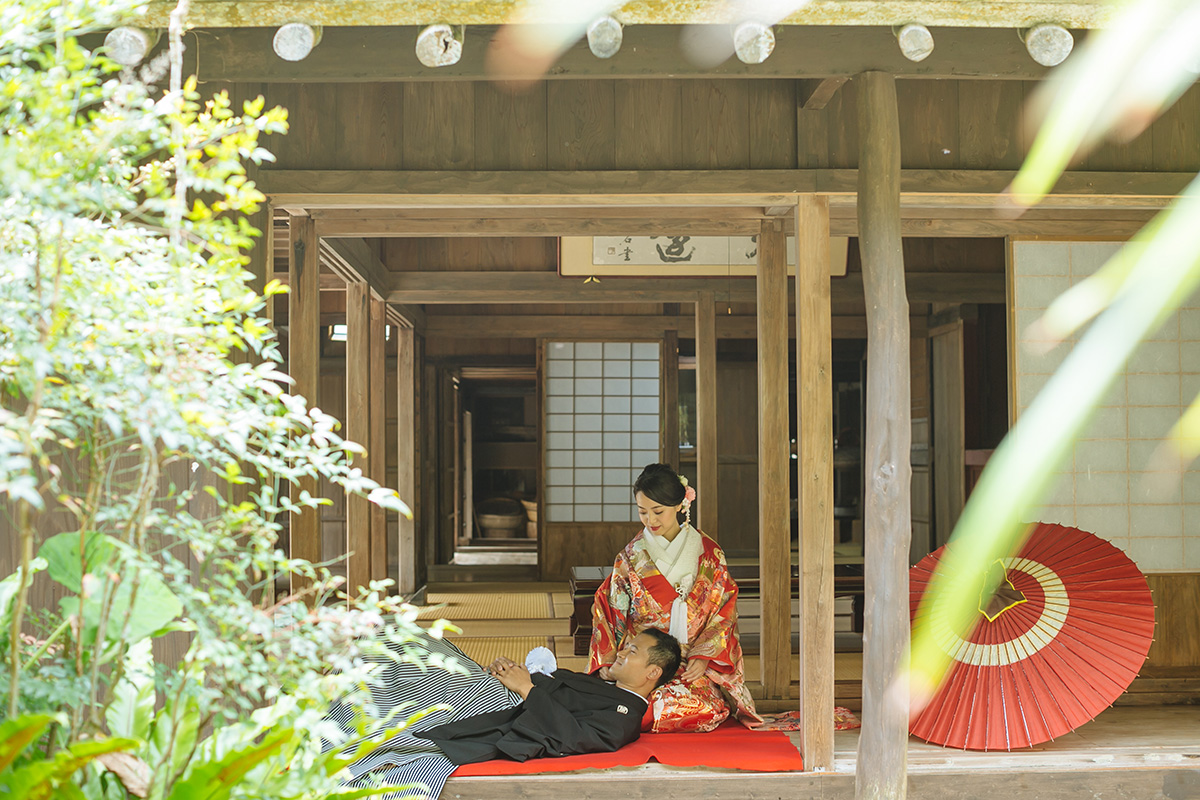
145,420
1122,79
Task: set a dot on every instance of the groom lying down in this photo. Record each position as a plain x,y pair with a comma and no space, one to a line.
506,712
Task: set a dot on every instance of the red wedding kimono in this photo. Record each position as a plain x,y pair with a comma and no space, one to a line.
637,596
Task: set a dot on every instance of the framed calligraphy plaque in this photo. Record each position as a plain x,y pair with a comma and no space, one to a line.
676,256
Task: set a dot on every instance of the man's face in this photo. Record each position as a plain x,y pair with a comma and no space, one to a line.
632,665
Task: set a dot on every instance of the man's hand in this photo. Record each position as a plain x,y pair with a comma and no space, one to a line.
512,675
696,667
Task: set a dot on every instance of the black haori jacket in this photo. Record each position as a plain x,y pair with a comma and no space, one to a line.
565,714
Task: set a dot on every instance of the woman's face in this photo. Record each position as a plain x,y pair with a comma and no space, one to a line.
659,519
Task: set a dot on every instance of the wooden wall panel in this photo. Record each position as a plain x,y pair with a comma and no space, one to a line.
586,544
928,124
580,125
439,125
1176,145
313,125
471,254
371,123
737,457
989,120
715,124
1177,630
772,117
674,124
842,124
648,123
812,138
510,126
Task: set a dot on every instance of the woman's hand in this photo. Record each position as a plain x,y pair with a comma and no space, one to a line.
696,667
512,675
603,672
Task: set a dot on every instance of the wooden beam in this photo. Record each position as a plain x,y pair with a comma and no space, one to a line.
350,52
406,316
356,257
702,221
670,393
375,189
406,456
706,412
774,454
326,281
813,94
547,287
377,437
883,745
814,431
358,429
304,355
521,326
824,13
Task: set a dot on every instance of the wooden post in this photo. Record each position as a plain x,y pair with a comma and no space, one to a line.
377,435
358,429
949,428
814,431
706,412
883,745
406,456
304,357
670,390
774,454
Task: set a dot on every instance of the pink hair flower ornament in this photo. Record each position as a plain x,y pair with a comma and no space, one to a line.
689,495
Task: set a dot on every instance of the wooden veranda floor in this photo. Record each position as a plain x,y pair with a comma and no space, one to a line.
1132,753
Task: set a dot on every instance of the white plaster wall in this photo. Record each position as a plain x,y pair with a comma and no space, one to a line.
1105,487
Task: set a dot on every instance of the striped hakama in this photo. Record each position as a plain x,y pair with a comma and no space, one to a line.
405,759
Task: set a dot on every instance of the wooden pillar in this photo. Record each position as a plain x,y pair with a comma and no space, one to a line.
406,457
377,435
304,357
358,429
774,454
949,427
814,427
706,412
670,389
883,745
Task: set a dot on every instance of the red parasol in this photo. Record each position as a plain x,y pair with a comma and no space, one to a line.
1061,640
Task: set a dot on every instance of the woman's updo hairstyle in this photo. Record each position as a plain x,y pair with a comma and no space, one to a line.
661,484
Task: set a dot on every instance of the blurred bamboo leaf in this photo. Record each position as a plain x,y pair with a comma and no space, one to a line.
1121,80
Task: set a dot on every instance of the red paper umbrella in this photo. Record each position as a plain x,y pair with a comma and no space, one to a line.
1061,640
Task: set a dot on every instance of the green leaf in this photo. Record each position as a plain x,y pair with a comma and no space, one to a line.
47,778
184,730
16,734
8,593
215,780
132,706
62,556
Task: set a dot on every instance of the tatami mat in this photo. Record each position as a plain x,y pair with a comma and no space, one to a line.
484,651
473,605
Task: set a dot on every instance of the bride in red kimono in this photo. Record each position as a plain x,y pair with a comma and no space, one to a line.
673,577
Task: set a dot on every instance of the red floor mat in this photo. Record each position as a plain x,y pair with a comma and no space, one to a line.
731,746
